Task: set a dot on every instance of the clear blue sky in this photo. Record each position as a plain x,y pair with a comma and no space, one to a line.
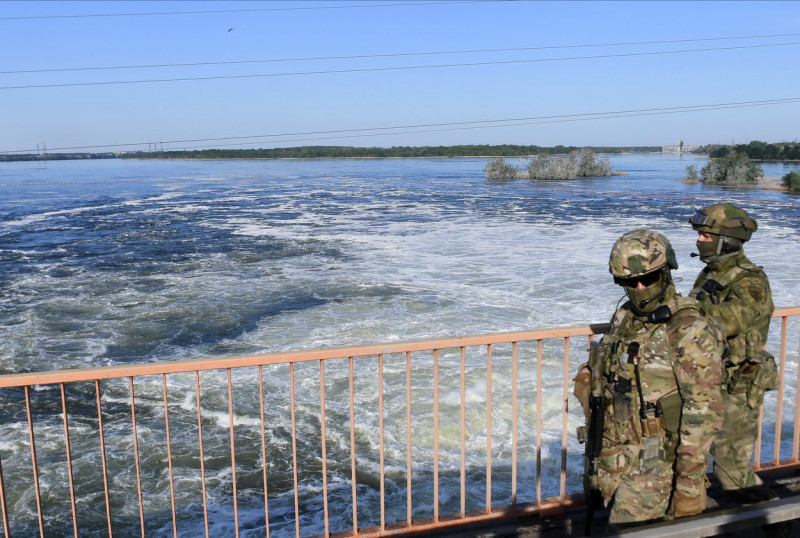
364,73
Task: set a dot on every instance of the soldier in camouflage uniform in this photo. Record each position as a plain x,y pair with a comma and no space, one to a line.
658,370
737,293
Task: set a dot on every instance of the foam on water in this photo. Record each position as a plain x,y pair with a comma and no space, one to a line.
183,261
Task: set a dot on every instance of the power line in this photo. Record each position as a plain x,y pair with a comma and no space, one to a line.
546,120
400,68
252,10
394,55
449,126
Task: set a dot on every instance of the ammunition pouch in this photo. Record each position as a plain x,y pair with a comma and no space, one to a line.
613,460
766,377
651,455
623,403
741,377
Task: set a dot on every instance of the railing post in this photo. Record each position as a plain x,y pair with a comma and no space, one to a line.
69,460
440,385
136,457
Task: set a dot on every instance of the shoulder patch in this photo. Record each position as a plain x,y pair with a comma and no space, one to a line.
756,292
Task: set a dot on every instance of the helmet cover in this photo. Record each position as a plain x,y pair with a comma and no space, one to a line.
725,220
640,252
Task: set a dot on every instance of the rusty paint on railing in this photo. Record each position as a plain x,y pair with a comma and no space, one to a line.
228,365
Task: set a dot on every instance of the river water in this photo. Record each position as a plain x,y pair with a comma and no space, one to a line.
115,261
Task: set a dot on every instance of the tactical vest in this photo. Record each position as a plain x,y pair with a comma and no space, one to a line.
641,401
745,345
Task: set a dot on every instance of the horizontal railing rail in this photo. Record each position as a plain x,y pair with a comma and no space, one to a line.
369,440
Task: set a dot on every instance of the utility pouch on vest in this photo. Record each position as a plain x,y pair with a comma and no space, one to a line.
652,426
766,377
651,455
671,406
623,404
742,377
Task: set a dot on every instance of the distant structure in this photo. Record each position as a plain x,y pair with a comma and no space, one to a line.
679,148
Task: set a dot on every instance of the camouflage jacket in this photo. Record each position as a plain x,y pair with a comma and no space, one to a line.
677,356
737,293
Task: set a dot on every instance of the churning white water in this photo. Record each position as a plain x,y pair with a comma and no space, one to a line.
111,262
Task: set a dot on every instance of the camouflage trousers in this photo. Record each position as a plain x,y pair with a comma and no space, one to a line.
733,447
640,496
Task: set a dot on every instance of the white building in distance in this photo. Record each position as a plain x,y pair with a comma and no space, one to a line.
679,148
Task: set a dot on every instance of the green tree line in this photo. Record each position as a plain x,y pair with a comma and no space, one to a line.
758,151
316,152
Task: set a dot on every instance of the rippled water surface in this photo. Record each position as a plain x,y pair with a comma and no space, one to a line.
111,262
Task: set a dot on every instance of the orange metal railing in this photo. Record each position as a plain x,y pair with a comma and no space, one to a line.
154,432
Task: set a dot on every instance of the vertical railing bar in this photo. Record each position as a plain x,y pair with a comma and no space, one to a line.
779,410
435,435
136,456
169,457
488,428
408,438
381,435
323,436
33,461
264,447
294,452
3,503
202,454
69,461
234,492
540,388
514,351
565,420
353,446
796,438
103,460
463,432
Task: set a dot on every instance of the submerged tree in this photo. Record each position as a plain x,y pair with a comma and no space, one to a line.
734,168
498,169
580,163
691,174
792,181
546,166
591,166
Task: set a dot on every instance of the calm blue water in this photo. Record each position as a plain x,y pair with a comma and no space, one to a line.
109,262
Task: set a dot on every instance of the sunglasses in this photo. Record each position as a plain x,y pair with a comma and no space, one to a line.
646,280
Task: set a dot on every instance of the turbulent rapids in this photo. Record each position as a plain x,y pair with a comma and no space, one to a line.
121,263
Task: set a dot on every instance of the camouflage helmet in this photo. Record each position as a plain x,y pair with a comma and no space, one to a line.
726,220
640,252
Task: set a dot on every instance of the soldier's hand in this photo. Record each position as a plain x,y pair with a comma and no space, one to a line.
583,388
688,501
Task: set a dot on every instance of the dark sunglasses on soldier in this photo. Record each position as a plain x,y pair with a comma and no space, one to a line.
646,280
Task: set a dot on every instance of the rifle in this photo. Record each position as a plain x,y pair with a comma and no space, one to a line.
594,444
592,436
